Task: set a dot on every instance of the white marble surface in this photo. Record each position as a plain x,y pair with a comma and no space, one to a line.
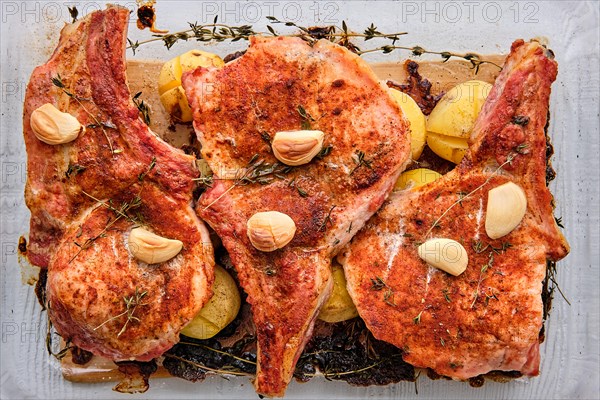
570,355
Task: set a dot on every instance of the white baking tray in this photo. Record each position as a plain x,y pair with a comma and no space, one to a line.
570,354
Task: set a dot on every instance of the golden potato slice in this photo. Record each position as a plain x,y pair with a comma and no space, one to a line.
172,95
339,307
176,103
170,75
416,178
448,147
455,114
198,58
221,309
414,115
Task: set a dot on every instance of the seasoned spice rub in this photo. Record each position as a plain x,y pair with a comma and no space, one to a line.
86,196
284,84
489,318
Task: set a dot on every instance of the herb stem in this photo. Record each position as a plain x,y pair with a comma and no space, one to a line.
509,159
201,366
219,351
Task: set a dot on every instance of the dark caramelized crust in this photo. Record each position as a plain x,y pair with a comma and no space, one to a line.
117,161
237,110
489,318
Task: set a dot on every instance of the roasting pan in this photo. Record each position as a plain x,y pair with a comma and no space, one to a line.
570,355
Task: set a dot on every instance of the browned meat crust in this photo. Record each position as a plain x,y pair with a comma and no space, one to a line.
488,318
118,161
236,111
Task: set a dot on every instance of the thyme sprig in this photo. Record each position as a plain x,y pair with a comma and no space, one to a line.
49,343
479,247
327,220
123,210
131,304
219,32
482,272
256,171
342,35
57,81
359,159
509,159
378,284
204,367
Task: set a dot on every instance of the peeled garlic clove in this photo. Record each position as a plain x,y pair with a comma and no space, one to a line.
270,230
445,254
52,126
506,207
297,147
151,248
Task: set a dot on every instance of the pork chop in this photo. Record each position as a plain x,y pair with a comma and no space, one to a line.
489,318
284,84
87,195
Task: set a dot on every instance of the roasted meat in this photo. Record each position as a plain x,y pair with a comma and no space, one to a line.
489,318
285,84
87,195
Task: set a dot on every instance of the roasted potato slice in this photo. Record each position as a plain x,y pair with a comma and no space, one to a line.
221,309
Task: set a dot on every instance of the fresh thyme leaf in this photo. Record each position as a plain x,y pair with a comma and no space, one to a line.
266,137
326,220
559,222
57,81
520,120
301,192
417,51
133,46
143,107
324,152
306,118
388,297
446,295
417,319
377,284
73,12
143,175
360,160
461,196
522,148
73,170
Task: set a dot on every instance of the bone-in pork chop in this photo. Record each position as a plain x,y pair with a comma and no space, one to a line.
489,318
87,195
284,84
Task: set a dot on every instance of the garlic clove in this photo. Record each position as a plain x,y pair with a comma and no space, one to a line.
151,248
445,254
506,207
52,126
270,230
297,147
